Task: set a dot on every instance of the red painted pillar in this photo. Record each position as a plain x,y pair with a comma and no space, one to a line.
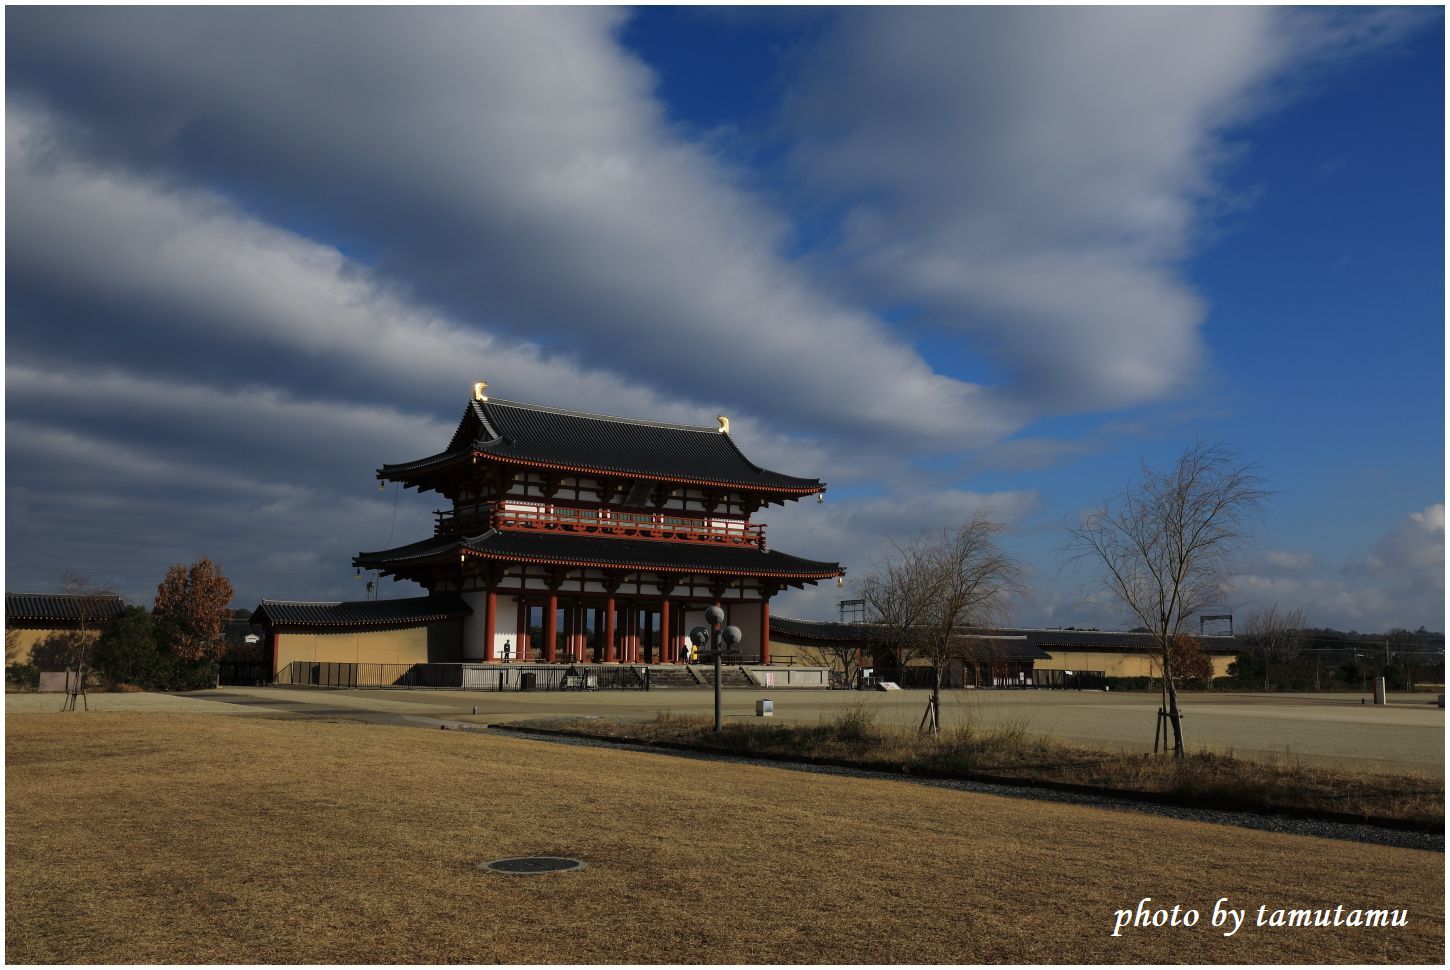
765,631
609,630
551,629
666,649
490,617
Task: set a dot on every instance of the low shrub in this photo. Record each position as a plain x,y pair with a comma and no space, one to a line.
22,677
1009,750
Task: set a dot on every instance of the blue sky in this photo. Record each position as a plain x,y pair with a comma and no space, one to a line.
941,258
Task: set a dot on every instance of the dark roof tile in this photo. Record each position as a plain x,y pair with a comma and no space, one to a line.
554,437
400,612
34,607
622,553
1044,641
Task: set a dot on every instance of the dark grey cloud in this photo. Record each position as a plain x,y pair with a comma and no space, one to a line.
508,168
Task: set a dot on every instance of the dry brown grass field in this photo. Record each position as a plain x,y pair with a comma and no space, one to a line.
155,837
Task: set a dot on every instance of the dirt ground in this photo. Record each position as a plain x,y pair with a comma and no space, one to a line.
155,837
1407,736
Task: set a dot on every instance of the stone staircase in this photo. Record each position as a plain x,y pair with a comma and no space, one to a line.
671,676
730,675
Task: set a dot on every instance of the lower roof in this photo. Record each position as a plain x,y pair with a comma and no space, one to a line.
416,610
608,553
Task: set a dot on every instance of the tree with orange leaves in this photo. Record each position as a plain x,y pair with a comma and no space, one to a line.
1190,664
191,606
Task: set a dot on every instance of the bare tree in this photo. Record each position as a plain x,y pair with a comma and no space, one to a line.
842,657
94,605
1276,638
1166,545
927,592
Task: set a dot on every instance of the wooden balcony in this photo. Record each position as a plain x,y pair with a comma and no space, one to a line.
661,527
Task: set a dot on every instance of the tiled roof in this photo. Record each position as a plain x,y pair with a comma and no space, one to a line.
1003,648
819,629
1117,641
36,607
620,553
553,437
981,647
416,610
1043,641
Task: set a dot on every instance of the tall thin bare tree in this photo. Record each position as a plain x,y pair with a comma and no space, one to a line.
929,591
1276,637
1165,546
93,607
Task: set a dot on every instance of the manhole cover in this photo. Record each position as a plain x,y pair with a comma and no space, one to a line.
532,865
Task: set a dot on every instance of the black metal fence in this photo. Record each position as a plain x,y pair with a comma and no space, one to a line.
920,678
907,678
507,677
234,673
1070,679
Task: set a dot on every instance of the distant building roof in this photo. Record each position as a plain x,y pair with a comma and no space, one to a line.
1042,640
61,607
530,434
686,557
417,611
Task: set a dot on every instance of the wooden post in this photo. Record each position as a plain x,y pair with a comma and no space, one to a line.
551,628
490,617
666,648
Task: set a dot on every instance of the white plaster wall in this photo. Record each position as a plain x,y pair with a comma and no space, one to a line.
694,618
473,625
505,628
747,617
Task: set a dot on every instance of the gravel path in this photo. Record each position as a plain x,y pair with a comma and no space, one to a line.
1432,842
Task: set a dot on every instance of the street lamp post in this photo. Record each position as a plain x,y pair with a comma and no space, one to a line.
731,634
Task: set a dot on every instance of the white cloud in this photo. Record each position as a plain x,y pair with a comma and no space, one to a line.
1417,544
856,531
1291,562
1035,178
1399,583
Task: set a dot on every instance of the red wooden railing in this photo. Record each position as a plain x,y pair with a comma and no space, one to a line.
604,522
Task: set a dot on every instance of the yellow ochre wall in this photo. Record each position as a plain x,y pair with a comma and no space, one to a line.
436,643
794,654
1117,663
1113,663
21,644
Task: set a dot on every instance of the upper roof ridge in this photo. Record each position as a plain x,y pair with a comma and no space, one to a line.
601,417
